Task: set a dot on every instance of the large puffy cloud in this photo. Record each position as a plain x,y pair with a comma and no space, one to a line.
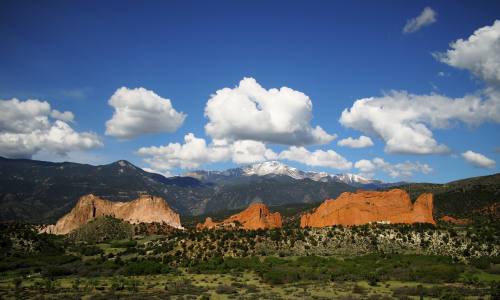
248,151
250,112
478,159
196,152
140,111
66,116
27,127
193,153
317,158
366,167
399,170
404,120
23,116
361,142
426,18
480,53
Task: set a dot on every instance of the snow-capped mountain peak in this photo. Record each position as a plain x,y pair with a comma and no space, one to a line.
352,178
279,168
272,168
276,168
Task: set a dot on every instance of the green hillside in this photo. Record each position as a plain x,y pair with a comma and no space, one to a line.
461,198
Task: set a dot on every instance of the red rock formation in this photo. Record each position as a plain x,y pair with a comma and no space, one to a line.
147,209
256,216
492,210
208,224
453,220
365,207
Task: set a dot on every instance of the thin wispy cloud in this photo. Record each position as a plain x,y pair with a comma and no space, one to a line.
478,160
79,93
406,169
426,18
75,93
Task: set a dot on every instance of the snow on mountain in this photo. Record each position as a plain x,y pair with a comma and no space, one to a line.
273,168
353,178
276,168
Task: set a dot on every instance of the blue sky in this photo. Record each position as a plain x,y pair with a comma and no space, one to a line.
76,54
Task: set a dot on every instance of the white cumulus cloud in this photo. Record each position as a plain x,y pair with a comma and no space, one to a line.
361,142
426,18
24,116
250,112
65,116
400,170
28,127
366,167
480,53
165,173
196,152
248,151
317,158
193,153
404,120
478,159
139,111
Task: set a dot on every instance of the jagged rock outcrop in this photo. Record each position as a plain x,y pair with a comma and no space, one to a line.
208,224
492,210
147,209
453,220
256,216
365,207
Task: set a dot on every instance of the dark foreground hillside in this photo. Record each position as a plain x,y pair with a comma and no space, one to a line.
109,259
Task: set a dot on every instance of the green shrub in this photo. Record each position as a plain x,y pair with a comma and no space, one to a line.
123,244
437,273
146,267
90,250
101,230
372,279
56,271
183,288
494,269
482,262
280,275
225,289
357,289
495,290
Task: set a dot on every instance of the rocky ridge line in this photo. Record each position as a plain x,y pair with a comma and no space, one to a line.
364,207
145,209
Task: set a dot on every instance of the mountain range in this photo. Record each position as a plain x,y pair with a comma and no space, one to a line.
42,191
276,168
38,191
